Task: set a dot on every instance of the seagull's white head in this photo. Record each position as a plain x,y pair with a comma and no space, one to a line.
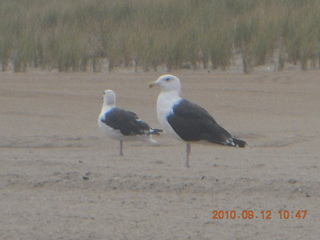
109,97
167,83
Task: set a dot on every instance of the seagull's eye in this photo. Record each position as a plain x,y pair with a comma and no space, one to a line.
167,79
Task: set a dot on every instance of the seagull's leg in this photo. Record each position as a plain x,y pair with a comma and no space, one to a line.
188,149
121,152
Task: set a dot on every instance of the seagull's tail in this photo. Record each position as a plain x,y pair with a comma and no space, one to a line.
238,143
155,131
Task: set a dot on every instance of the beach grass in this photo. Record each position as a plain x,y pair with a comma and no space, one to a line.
82,35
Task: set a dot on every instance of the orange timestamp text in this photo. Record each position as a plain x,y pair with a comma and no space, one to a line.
265,214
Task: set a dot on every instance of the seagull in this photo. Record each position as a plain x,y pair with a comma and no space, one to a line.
122,125
187,121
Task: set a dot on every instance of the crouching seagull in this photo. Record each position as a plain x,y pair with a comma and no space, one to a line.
122,125
187,121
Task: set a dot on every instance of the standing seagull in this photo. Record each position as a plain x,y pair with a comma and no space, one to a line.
123,125
187,121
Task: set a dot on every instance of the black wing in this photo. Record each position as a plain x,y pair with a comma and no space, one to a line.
193,123
127,122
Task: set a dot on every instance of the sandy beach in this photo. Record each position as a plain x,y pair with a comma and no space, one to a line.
60,178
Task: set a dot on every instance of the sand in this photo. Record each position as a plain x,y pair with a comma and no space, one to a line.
60,178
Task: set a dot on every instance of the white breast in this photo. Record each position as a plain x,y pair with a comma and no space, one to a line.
166,100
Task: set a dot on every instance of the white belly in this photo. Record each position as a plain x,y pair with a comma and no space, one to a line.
110,132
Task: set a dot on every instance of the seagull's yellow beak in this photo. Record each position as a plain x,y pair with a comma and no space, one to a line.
152,84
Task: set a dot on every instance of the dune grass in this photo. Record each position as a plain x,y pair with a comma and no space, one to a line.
82,35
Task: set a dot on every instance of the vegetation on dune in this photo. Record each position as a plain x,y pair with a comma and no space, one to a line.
79,35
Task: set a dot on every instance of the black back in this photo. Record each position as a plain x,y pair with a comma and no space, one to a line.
127,122
193,123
